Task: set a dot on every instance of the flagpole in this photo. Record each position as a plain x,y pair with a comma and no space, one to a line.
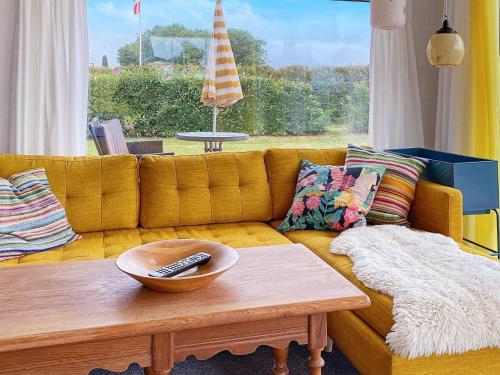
140,36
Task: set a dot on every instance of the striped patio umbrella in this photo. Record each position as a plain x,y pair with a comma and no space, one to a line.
222,84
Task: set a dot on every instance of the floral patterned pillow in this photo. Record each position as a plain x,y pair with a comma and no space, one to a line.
332,198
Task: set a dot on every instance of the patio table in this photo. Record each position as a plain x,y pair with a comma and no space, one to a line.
213,141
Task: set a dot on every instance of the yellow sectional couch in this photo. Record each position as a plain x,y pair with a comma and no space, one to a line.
238,199
219,197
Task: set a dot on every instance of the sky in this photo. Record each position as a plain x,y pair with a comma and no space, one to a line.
305,32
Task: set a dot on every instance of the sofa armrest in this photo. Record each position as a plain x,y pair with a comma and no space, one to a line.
438,209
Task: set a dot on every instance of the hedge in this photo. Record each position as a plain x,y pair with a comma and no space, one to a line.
158,100
358,116
102,89
334,87
151,105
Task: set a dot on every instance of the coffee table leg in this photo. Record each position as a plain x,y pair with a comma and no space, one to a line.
162,354
317,342
150,371
280,358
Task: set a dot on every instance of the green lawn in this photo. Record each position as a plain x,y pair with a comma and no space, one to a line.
337,136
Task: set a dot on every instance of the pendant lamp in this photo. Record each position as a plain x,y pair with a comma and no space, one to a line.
446,48
388,14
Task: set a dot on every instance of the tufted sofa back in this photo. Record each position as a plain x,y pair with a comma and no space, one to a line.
98,193
283,167
102,193
203,189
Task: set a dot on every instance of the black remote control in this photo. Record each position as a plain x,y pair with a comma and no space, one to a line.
182,265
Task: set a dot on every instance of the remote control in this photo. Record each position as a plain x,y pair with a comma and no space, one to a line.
182,265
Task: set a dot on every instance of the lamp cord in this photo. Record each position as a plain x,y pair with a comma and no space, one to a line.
445,9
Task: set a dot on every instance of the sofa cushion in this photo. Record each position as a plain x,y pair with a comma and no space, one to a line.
379,314
109,244
98,193
204,189
283,167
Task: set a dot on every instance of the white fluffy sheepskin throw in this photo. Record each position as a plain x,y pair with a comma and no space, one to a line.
446,301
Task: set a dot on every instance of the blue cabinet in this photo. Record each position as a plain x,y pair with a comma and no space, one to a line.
476,178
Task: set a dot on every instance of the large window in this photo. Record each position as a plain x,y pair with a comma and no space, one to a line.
303,67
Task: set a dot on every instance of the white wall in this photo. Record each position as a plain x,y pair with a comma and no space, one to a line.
428,16
7,32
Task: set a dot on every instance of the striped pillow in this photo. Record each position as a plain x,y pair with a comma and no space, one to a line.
31,217
397,190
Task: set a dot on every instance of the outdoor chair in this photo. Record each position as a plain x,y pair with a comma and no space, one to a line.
109,140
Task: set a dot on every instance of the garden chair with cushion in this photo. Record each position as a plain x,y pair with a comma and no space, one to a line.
109,140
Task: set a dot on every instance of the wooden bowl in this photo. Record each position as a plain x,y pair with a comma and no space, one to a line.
141,260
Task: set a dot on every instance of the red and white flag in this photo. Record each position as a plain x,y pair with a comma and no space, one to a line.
137,7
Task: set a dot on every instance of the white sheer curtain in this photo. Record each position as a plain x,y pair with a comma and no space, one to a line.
7,34
395,106
49,78
451,119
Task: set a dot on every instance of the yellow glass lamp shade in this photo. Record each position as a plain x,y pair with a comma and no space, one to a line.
446,48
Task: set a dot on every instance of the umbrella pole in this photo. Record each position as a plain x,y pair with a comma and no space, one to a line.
214,122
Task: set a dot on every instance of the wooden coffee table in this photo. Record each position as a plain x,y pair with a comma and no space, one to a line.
71,318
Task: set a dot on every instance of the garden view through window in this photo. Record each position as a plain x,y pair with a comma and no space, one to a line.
303,67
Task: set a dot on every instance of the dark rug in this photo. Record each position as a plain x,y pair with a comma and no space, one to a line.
260,362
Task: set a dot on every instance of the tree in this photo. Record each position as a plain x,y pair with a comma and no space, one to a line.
189,54
104,61
129,54
248,50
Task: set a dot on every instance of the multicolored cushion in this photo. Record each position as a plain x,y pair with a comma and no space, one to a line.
397,190
31,217
332,198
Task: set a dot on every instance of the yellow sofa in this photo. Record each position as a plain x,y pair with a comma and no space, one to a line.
238,199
